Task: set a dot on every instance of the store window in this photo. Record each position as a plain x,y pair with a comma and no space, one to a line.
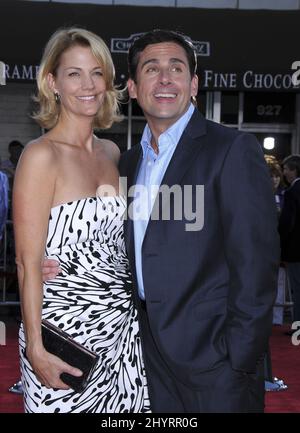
201,102
269,107
229,108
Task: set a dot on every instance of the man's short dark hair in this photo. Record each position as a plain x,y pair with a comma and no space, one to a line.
293,163
15,143
158,36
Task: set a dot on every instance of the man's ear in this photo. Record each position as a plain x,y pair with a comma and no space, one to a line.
131,88
194,86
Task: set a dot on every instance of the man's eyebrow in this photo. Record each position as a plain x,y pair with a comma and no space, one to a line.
149,61
176,60
172,60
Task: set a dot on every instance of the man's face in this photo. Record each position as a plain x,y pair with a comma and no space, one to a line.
164,85
289,174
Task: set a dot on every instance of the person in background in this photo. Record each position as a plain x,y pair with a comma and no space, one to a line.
15,148
4,188
67,205
273,383
277,179
278,188
289,229
8,166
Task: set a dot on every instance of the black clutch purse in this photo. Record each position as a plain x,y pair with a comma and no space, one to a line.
59,343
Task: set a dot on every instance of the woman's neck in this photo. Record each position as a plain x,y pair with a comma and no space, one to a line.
77,132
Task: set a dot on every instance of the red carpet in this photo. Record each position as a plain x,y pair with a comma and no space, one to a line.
9,371
285,365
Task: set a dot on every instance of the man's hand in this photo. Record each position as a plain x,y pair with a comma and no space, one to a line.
50,269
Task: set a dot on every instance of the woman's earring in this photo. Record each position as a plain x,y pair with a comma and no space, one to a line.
57,97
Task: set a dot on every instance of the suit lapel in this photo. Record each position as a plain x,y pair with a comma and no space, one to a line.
134,165
186,150
132,173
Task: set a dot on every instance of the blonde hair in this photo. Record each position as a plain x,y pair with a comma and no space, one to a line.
63,39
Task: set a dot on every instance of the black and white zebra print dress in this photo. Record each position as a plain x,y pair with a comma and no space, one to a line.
92,299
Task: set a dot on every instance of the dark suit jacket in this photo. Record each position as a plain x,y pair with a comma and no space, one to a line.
289,224
210,293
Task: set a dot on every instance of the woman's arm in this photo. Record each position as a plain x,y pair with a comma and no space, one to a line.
33,192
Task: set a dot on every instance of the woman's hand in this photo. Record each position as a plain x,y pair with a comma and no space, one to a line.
48,367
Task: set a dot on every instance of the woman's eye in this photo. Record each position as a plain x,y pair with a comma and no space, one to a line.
73,74
99,73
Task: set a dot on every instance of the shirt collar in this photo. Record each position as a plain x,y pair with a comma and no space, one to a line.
173,133
294,181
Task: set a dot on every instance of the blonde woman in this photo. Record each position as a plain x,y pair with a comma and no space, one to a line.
58,213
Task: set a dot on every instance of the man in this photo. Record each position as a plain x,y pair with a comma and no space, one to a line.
289,229
3,202
8,166
204,290
205,297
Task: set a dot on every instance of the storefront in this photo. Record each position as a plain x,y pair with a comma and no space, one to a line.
249,61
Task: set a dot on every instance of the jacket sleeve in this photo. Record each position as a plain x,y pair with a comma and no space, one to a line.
252,250
288,214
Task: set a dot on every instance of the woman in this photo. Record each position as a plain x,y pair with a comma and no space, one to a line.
57,212
273,383
277,180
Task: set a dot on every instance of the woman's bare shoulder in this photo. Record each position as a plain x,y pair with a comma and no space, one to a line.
111,149
40,149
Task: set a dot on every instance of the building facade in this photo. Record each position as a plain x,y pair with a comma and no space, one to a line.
247,55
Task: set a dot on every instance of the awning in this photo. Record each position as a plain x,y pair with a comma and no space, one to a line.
237,49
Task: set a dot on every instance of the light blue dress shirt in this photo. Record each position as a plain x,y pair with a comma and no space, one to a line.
151,173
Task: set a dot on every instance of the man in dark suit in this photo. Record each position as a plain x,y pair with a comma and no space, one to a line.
205,292
289,229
